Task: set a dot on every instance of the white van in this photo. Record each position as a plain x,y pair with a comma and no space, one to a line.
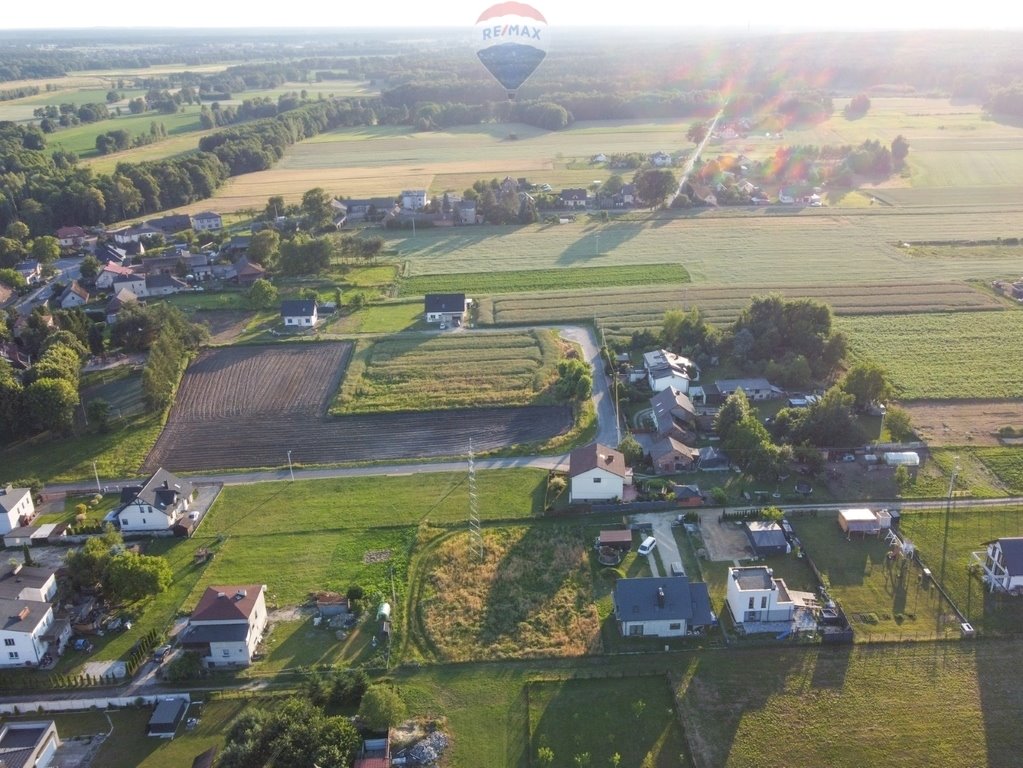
647,546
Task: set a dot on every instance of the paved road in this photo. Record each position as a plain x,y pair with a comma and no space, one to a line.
607,417
688,167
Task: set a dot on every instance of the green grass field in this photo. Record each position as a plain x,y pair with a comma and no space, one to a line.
449,371
1005,463
81,139
953,355
381,317
480,283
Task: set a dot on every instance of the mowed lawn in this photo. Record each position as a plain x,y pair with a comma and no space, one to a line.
457,370
319,531
914,705
951,355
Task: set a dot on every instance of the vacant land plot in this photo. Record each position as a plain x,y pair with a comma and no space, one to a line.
1006,463
963,422
123,392
225,325
940,356
623,311
822,707
882,598
254,406
454,371
632,717
480,283
530,597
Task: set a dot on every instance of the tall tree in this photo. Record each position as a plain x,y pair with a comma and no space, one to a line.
867,383
653,185
900,151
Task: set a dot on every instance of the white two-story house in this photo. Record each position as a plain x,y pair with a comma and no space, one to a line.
597,473
227,624
23,623
666,369
16,508
754,595
155,506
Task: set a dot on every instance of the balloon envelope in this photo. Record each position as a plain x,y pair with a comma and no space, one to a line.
511,41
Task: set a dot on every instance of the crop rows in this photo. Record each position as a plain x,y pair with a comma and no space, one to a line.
623,311
249,406
481,283
455,371
947,355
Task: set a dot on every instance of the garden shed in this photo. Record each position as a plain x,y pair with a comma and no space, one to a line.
621,540
767,538
862,521
167,716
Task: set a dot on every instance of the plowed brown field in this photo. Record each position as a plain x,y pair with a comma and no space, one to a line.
245,407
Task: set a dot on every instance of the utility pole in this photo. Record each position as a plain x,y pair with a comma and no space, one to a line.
96,473
290,468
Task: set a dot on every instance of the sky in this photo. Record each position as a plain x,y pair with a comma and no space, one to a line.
737,14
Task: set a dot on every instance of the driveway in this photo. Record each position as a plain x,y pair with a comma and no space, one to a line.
666,544
724,541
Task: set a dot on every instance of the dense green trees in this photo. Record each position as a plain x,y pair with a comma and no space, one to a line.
262,294
653,185
129,576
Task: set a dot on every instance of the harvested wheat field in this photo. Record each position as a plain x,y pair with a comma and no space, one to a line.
964,422
248,407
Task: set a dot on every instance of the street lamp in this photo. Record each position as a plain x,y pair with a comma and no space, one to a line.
290,468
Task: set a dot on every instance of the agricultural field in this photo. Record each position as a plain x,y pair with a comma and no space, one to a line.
450,371
248,407
483,283
947,355
963,422
623,311
530,598
81,139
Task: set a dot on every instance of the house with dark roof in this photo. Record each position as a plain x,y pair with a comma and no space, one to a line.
134,282
754,389
31,270
661,606
106,252
574,198
446,308
28,744
226,626
155,506
73,296
167,716
673,411
207,221
299,312
670,455
24,626
597,473
369,209
1002,564
123,298
23,582
172,224
247,272
766,538
164,285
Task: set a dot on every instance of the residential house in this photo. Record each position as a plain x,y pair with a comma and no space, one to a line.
688,495
626,198
31,270
113,271
666,369
661,606
238,244
227,624
73,296
14,355
413,199
207,221
597,473
369,209
172,224
16,508
23,624
155,506
28,743
465,212
673,412
247,272
164,285
703,194
661,160
161,265
70,237
755,389
754,595
126,235
299,312
713,460
600,157
766,538
198,265
574,198
107,252
23,582
445,308
1002,564
135,283
670,455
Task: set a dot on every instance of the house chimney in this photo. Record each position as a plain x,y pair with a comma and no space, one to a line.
660,597
165,485
221,594
22,614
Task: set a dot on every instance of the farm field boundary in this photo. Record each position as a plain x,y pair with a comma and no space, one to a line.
623,311
248,407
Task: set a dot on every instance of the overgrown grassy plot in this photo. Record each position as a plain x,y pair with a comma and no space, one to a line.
947,552
452,371
915,704
1006,463
532,596
633,717
883,599
952,355
478,283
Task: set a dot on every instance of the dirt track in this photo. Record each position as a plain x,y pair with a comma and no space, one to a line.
247,407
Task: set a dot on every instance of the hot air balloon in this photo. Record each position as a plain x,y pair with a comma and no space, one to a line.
511,41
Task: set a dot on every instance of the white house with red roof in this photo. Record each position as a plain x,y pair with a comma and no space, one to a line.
597,473
113,271
70,237
227,624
